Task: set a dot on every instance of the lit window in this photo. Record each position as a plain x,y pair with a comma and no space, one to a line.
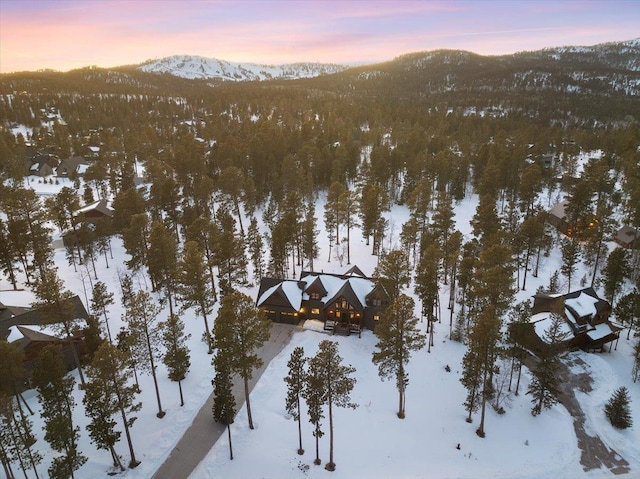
315,311
376,317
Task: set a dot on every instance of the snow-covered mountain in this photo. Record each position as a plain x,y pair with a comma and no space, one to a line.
196,67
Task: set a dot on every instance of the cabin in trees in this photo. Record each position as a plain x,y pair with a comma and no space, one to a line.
343,302
72,167
26,329
628,237
558,218
95,214
584,322
42,164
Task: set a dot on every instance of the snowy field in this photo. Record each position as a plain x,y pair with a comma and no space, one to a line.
370,442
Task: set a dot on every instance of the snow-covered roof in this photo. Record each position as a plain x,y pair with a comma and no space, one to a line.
289,289
584,305
14,334
600,331
334,284
544,322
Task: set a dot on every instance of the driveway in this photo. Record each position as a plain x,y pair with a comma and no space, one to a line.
204,431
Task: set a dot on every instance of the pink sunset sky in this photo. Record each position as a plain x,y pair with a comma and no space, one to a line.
67,34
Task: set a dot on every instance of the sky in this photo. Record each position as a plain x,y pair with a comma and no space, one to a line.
67,34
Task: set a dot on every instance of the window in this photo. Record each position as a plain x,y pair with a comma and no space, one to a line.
377,302
376,317
315,295
315,311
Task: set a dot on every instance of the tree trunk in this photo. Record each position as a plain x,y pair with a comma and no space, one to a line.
116,459
74,351
519,374
181,396
207,332
133,463
230,445
480,431
330,465
317,461
300,450
246,399
161,413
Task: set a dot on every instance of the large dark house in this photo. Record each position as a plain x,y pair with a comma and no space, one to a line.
25,328
585,322
343,302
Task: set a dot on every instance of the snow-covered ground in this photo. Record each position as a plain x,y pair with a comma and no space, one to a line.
370,442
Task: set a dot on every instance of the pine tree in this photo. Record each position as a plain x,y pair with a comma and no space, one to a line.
570,257
544,385
224,403
398,335
109,374
295,385
229,254
336,384
100,404
615,272
313,393
176,356
141,316
194,288
635,371
162,261
240,329
57,308
16,438
55,395
255,248
617,409
393,271
100,301
309,235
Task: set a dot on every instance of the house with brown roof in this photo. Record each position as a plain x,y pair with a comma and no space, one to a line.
71,167
585,322
343,302
25,328
628,237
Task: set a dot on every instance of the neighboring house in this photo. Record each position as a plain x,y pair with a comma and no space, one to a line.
25,328
344,302
558,217
71,167
42,164
628,237
93,214
96,211
585,322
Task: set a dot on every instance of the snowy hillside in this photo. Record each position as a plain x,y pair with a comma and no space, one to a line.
196,67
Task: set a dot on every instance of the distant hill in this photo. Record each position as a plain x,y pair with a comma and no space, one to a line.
196,67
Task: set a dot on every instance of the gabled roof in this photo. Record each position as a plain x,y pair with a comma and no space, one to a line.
559,210
355,271
626,236
32,317
99,206
316,286
288,292
347,292
69,165
34,335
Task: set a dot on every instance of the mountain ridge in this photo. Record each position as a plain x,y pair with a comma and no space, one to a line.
195,67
